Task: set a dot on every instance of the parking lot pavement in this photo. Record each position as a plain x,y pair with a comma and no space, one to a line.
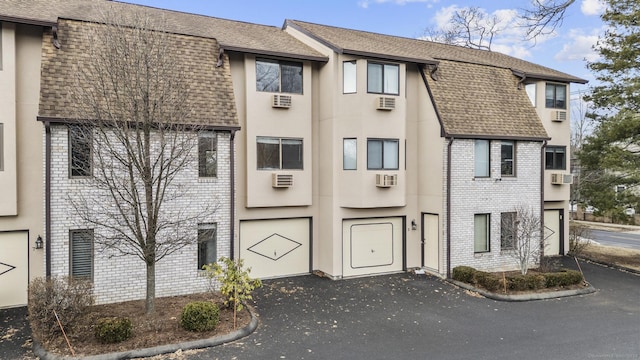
15,334
407,316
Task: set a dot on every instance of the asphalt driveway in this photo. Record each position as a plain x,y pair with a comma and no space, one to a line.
406,316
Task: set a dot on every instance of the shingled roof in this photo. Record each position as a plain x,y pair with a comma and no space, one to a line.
356,42
482,101
230,35
210,101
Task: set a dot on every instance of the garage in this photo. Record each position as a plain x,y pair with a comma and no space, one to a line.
14,268
553,232
276,248
372,246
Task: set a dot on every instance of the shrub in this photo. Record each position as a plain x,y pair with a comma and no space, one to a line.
463,273
69,298
113,330
486,280
200,316
526,282
563,278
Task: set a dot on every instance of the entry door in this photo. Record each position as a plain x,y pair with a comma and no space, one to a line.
14,268
552,231
430,242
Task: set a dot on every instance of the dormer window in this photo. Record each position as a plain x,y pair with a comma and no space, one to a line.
278,76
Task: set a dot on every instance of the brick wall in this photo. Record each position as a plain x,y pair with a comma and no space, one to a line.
492,195
119,278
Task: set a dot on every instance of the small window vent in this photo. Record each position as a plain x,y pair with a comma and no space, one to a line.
560,179
385,181
281,180
385,103
281,101
558,115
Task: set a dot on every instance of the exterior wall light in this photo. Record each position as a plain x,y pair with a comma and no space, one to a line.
39,243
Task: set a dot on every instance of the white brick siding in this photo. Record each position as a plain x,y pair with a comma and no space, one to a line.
121,278
493,195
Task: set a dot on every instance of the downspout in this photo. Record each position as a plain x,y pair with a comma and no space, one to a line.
542,167
47,197
233,190
449,207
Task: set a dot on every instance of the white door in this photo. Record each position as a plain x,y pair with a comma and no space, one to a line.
14,268
371,246
552,232
275,248
430,241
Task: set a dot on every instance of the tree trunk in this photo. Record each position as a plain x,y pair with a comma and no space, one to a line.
151,288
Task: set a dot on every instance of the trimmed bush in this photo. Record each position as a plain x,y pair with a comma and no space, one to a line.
200,316
563,278
526,282
69,298
486,280
463,273
113,330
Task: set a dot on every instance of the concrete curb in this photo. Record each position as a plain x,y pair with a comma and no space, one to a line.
525,297
43,354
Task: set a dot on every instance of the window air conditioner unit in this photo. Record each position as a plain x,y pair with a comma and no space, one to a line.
281,101
385,103
558,115
281,180
560,179
385,181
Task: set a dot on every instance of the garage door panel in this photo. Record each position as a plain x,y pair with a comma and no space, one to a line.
371,246
552,237
275,248
14,268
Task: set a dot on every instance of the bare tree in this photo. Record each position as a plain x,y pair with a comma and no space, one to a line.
131,95
469,27
522,237
544,16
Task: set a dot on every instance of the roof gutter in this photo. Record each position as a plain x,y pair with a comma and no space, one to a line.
542,168
232,188
323,59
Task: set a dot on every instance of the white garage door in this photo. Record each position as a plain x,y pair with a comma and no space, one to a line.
14,268
275,248
371,246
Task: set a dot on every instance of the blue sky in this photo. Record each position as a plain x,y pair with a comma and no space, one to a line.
565,50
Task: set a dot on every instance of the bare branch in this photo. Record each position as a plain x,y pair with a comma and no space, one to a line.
544,17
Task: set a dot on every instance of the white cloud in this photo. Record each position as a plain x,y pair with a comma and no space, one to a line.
365,3
579,47
592,7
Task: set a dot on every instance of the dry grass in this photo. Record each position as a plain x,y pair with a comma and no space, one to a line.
161,328
629,258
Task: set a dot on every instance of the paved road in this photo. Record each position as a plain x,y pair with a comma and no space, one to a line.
614,238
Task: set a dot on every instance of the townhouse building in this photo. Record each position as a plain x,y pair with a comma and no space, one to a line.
340,151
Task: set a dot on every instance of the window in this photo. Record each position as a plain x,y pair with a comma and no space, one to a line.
1,146
481,233
383,78
556,96
277,153
81,254
207,252
349,77
481,153
207,154
278,76
555,158
349,154
382,154
507,158
508,230
80,151
531,92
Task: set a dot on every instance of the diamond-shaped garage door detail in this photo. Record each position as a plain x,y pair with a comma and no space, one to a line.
275,247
